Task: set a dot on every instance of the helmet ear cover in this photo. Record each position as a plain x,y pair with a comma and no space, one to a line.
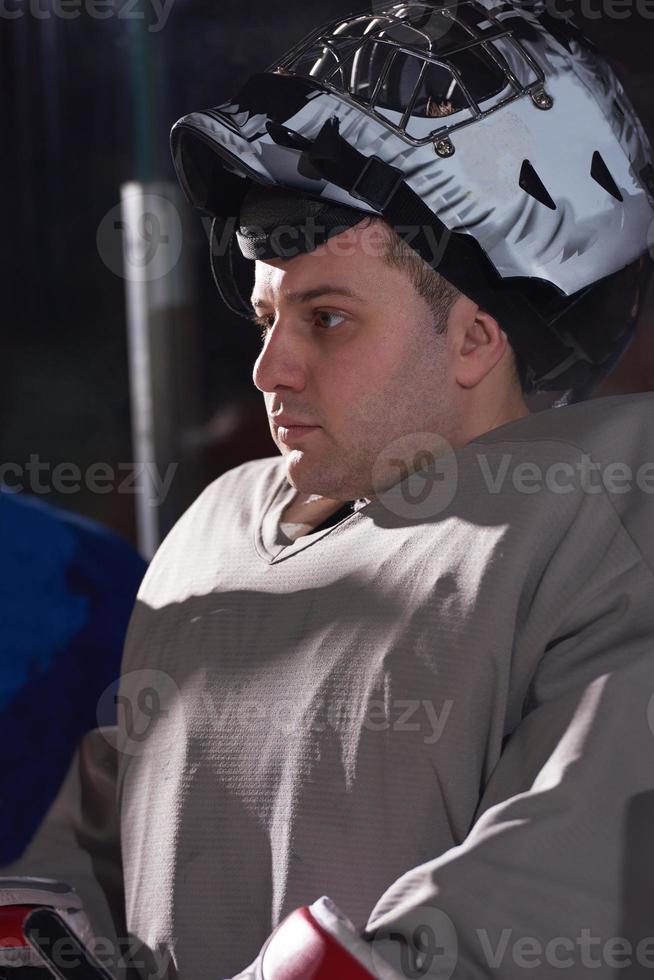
603,322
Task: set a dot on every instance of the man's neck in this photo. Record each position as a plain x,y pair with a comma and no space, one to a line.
478,423
307,511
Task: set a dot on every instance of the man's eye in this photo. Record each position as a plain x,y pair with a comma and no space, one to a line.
327,319
323,318
264,323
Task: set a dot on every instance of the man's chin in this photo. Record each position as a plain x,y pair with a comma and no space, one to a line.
313,476
301,472
307,475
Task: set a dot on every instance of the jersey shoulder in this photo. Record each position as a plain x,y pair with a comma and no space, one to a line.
615,428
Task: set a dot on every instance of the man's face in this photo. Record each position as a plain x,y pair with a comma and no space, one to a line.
350,348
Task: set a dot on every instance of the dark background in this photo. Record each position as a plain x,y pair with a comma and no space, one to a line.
87,104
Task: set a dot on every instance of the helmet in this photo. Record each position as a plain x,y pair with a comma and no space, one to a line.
490,129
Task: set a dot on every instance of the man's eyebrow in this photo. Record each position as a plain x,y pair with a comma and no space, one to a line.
305,296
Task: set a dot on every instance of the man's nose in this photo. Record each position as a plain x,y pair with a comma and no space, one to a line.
282,361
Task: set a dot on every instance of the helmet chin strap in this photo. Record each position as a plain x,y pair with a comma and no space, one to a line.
223,260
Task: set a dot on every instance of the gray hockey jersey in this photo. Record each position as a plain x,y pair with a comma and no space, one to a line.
439,712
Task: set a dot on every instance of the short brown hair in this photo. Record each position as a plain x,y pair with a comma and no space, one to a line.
439,294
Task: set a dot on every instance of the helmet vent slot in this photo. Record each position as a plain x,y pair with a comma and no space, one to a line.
602,175
534,186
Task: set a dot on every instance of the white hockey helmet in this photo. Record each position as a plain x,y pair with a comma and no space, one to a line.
493,125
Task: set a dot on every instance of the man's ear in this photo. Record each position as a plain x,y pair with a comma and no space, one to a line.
477,341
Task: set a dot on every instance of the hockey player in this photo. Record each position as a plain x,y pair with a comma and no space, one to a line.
401,676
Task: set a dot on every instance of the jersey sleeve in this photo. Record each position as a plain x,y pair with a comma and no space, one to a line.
78,841
556,875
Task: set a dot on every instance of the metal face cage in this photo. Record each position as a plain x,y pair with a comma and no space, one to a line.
412,62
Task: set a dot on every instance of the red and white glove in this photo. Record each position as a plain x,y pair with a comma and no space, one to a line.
316,942
36,914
